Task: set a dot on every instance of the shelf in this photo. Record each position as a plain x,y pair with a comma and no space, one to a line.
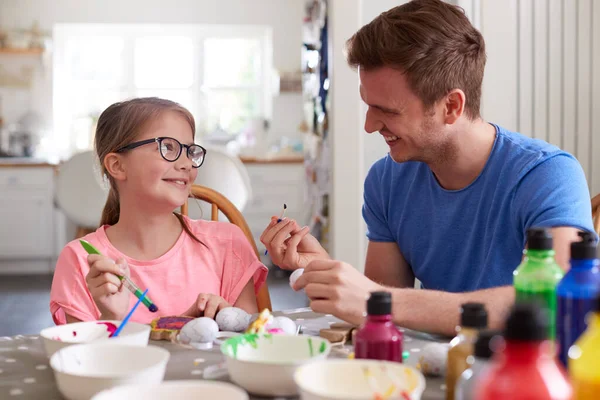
21,51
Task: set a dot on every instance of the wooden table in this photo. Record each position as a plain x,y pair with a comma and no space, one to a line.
25,373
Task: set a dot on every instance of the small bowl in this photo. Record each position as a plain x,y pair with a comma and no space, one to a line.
61,336
82,370
345,379
264,364
180,390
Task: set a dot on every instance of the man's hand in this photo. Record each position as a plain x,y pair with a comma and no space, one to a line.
336,288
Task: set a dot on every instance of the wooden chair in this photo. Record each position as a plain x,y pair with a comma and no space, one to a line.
221,203
596,212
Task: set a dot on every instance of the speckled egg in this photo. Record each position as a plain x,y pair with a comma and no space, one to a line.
295,275
285,324
233,319
199,330
433,359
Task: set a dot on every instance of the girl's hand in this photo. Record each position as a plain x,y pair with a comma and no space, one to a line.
107,290
207,305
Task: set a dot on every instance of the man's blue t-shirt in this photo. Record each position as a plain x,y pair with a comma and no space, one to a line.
473,238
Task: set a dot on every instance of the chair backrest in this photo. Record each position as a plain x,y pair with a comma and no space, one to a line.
596,212
79,193
218,203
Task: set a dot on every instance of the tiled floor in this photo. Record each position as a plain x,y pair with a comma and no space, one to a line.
24,301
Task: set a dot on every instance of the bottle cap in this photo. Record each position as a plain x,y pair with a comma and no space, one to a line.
483,348
473,315
527,322
584,249
539,239
596,305
379,303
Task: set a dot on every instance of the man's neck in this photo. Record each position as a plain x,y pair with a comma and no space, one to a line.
471,149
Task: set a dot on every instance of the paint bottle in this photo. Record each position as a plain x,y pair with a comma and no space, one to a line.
584,359
478,365
524,368
473,318
576,293
535,279
378,338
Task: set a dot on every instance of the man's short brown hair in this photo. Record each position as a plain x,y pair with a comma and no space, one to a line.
432,43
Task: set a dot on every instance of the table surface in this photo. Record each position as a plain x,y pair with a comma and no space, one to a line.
25,373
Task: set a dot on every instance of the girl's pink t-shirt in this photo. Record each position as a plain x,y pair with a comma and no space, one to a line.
223,267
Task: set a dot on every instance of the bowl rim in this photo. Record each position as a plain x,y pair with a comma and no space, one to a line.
177,382
46,332
421,386
318,356
54,359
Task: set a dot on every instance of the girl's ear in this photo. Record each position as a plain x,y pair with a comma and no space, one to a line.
114,166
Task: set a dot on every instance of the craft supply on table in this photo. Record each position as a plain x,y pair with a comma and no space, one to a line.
473,318
232,319
481,360
199,333
584,359
127,282
536,278
433,359
129,314
576,294
378,338
279,219
525,368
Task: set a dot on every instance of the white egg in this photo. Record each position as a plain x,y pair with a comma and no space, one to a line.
199,330
233,319
295,275
433,359
285,324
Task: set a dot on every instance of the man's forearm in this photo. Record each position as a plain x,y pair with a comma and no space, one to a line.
439,312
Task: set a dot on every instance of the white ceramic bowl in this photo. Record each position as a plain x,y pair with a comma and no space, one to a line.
180,390
265,364
83,370
60,336
346,379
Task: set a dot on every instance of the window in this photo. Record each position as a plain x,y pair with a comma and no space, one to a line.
220,73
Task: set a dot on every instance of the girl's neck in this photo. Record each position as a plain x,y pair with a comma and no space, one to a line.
144,235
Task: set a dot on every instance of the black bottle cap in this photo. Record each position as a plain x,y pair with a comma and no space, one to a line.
483,345
379,303
584,249
527,322
539,239
596,305
473,315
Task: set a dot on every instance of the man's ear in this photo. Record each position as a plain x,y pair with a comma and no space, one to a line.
454,106
114,166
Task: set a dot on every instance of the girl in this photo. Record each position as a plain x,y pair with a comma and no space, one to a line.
191,267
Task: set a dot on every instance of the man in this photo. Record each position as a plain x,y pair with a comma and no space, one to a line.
451,203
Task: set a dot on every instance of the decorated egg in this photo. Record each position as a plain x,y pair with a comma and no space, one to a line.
432,361
199,330
295,275
232,319
285,324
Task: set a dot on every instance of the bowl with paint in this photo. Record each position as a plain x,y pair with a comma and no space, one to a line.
83,370
351,379
264,364
180,390
60,336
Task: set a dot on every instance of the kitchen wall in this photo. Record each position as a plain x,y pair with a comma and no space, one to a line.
284,16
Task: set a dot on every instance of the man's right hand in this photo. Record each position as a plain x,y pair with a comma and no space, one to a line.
290,246
108,292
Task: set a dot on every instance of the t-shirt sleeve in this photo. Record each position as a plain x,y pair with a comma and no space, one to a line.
69,293
554,193
373,209
242,266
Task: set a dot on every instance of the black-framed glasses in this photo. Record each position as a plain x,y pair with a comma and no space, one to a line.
170,149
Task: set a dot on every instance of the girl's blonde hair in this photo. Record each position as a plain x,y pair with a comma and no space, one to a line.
120,125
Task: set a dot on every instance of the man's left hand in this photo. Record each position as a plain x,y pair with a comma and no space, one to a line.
336,288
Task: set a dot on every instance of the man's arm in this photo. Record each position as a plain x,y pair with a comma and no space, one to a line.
386,265
562,238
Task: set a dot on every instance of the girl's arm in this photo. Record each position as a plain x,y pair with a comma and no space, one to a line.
247,299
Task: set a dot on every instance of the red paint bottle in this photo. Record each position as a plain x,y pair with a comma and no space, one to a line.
378,338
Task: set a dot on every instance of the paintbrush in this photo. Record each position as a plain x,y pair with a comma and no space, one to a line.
279,219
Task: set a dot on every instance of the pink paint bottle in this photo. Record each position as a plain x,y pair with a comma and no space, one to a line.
378,338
